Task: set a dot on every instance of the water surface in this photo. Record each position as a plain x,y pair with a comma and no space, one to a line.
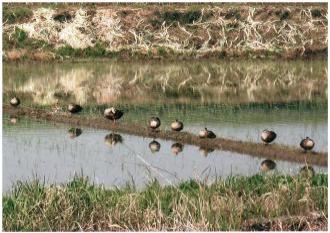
235,99
46,150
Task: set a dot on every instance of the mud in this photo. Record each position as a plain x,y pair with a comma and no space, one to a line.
274,151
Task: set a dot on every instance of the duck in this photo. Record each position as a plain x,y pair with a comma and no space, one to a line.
176,148
112,139
267,136
177,125
205,133
74,108
307,144
15,101
154,123
307,171
74,132
113,114
154,146
267,165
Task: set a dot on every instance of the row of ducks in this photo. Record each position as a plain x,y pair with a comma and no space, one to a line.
268,136
113,114
113,138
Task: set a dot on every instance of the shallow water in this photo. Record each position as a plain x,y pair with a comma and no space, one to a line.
46,150
235,99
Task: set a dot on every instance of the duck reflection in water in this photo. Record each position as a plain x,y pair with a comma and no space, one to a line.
205,150
154,146
74,132
13,119
267,165
112,139
176,148
307,171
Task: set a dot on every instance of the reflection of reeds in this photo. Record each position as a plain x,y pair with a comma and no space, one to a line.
221,82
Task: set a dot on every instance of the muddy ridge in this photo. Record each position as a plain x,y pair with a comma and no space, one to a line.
274,151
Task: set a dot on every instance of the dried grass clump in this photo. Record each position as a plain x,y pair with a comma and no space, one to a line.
243,31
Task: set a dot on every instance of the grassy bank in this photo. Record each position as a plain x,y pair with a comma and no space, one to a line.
163,31
257,202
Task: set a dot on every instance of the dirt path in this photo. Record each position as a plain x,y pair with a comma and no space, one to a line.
276,152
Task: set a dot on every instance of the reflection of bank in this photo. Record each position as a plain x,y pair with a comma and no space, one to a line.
223,82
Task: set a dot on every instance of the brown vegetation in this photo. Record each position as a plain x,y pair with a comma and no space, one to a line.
172,30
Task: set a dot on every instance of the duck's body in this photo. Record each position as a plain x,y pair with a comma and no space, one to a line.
113,114
74,108
154,123
205,133
154,146
176,148
177,125
307,144
267,165
15,102
268,136
112,139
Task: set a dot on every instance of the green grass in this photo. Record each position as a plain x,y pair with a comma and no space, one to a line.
15,14
20,40
192,205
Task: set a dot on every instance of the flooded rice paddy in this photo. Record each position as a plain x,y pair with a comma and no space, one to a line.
236,100
48,151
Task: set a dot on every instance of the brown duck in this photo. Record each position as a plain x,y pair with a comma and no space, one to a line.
154,123
268,136
307,144
113,114
205,133
74,108
15,101
177,125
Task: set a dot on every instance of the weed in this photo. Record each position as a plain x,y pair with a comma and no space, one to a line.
16,14
222,205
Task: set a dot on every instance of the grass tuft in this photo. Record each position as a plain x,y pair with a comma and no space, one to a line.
224,205
16,14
